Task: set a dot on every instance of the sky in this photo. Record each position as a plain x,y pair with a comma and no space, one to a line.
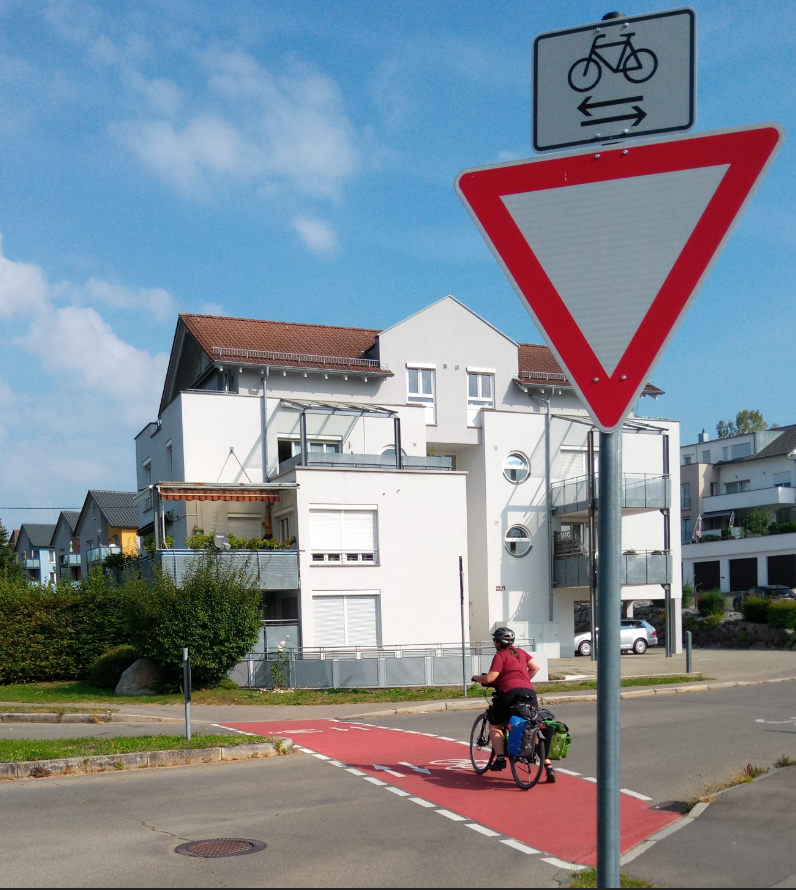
295,161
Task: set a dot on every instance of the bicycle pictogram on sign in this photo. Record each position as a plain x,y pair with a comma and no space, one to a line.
637,65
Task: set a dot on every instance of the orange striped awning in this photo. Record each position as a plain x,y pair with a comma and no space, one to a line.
217,493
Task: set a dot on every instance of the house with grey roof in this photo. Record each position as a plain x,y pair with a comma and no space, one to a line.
107,523
33,549
721,482
66,545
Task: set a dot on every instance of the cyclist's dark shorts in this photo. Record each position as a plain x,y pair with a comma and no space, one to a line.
500,712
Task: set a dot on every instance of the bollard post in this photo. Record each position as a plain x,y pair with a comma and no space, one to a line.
609,660
186,685
688,664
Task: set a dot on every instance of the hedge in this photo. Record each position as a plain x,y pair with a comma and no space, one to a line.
782,614
755,610
711,603
57,633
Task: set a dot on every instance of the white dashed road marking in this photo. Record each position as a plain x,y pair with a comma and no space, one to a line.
482,829
634,794
523,848
399,791
421,802
454,817
374,781
559,863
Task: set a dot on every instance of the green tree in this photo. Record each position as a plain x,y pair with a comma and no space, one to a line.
757,522
746,421
8,564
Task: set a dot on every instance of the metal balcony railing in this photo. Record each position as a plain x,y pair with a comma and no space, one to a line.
639,492
270,569
640,567
367,462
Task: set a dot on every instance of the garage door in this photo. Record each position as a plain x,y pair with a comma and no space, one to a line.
782,569
743,573
707,575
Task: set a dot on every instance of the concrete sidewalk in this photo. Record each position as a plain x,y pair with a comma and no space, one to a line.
743,839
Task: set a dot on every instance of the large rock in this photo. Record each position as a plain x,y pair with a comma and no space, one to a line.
143,677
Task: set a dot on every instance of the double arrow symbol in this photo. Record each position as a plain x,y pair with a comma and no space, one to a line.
637,117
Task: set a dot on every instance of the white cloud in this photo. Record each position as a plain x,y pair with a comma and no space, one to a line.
211,309
317,235
155,301
267,130
23,287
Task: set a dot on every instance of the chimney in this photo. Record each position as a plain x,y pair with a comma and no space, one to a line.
702,437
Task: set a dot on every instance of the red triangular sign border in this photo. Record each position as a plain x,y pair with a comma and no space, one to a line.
747,151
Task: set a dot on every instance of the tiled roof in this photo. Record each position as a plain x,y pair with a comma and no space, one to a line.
40,535
71,517
117,507
783,444
251,341
539,365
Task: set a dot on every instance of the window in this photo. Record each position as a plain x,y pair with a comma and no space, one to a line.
518,540
782,480
147,473
284,528
52,556
420,387
725,452
245,525
743,450
288,448
713,489
685,496
480,394
687,460
706,457
570,464
228,381
169,460
736,487
516,467
346,620
343,535
685,525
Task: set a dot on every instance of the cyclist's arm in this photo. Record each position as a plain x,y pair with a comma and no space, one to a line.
533,667
487,679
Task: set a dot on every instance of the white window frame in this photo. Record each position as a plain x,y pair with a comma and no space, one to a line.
477,402
523,457
345,595
507,540
347,556
429,400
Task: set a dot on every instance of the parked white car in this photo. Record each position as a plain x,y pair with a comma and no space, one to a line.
636,636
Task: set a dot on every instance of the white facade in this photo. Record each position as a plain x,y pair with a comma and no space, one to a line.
456,385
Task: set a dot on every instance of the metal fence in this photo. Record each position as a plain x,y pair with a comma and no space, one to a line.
369,668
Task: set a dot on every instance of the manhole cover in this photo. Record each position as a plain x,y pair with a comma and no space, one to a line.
216,847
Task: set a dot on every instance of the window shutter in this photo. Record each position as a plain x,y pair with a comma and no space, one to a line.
359,530
570,464
362,621
326,530
245,526
328,614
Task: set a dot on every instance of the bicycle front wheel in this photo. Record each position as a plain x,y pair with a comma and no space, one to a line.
585,74
526,770
640,65
481,753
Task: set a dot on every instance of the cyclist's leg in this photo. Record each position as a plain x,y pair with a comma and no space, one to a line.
498,739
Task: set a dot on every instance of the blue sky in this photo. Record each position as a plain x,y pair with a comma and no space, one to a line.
295,161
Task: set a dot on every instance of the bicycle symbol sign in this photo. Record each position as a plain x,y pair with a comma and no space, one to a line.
616,79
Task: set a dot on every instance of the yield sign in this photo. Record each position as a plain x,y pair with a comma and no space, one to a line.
608,249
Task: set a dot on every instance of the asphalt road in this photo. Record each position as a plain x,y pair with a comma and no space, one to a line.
323,827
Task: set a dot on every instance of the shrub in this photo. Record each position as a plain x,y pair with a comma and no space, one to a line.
782,614
755,609
216,614
237,543
706,538
55,633
199,542
757,521
785,527
107,670
711,603
688,594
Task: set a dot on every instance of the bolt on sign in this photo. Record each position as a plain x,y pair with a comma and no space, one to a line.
616,79
607,249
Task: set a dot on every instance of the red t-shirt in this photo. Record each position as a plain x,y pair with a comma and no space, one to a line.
513,670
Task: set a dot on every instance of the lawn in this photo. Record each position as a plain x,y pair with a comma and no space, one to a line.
67,692
53,749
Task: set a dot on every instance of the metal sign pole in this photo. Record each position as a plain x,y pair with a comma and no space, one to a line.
186,685
608,663
461,596
592,551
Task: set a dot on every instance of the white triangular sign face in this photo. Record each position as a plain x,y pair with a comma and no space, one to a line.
608,249
594,247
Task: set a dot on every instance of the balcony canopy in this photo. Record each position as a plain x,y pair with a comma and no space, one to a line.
347,408
208,491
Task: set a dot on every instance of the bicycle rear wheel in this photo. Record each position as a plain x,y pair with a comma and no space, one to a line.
527,771
481,753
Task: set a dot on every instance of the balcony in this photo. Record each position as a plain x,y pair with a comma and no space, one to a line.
367,462
774,497
270,569
642,567
639,493
69,560
99,554
31,564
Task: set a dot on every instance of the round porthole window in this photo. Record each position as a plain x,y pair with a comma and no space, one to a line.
516,467
518,540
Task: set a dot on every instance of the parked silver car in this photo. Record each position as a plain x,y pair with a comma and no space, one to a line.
636,636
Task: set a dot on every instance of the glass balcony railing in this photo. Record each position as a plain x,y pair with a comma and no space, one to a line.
98,554
639,492
638,567
368,462
270,569
70,560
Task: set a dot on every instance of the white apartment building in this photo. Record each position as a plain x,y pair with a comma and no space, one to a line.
722,481
388,455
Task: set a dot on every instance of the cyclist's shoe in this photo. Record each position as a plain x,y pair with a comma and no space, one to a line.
551,774
498,765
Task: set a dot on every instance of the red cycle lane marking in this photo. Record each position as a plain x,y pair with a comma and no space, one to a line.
559,819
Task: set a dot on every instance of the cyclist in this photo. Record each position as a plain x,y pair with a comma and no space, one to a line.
511,673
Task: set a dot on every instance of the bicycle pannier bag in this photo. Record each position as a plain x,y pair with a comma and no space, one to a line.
528,750
560,741
515,727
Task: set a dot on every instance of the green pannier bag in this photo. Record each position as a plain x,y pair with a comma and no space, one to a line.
560,740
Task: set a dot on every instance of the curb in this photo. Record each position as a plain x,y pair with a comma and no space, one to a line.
73,766
653,839
478,704
97,718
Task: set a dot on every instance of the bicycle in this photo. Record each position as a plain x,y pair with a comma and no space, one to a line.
637,65
526,770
